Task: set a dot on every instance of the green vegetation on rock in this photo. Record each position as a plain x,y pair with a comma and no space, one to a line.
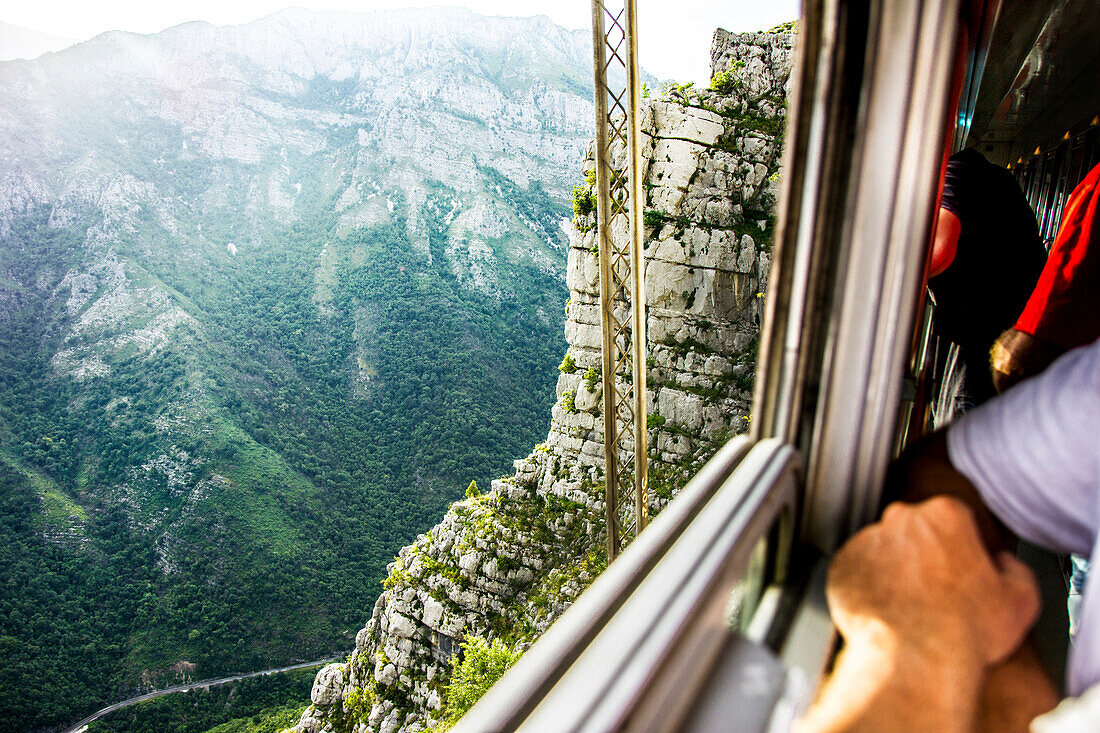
728,81
481,663
584,203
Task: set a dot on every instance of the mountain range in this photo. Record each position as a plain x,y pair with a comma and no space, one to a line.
17,42
271,296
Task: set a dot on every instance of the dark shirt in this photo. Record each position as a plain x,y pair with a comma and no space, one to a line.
996,265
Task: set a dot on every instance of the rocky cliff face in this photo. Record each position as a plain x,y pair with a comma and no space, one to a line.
507,563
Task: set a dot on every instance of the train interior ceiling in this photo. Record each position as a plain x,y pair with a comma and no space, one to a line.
1037,100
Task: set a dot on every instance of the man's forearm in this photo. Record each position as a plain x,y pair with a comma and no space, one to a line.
1015,693
880,686
925,470
873,688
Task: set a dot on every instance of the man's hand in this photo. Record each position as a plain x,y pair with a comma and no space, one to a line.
1016,356
924,611
922,576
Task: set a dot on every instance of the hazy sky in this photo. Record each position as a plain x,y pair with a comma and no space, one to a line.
664,25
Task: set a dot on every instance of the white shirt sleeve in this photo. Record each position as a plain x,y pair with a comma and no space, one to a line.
1073,715
1034,454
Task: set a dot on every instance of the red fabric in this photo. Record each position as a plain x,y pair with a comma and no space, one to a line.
1064,309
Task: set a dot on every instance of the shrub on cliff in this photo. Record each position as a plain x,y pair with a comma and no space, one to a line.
584,203
480,665
728,81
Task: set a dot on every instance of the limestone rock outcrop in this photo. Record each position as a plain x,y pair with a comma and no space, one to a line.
507,563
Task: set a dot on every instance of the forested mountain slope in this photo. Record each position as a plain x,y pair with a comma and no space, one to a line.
270,297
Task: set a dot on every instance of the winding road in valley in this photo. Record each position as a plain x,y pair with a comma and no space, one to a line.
201,684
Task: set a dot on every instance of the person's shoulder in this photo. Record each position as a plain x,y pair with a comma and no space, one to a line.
977,169
1075,376
1032,454
1070,385
1084,363
974,185
969,160
968,156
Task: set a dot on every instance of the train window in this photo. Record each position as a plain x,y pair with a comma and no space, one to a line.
730,575
748,590
1047,177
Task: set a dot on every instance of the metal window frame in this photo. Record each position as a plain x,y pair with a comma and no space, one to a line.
634,649
850,267
510,701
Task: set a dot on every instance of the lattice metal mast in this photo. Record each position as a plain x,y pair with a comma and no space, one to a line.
622,269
